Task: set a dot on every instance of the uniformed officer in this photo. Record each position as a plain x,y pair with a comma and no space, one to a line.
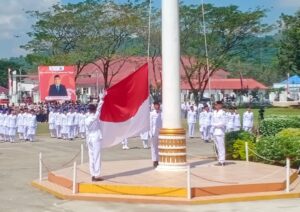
191,120
218,123
237,120
248,120
93,139
155,126
205,123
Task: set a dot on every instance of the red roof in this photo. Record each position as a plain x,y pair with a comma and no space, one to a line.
3,90
230,84
125,66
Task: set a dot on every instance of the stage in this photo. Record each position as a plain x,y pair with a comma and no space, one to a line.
137,181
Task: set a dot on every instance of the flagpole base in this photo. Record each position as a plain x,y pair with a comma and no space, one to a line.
172,150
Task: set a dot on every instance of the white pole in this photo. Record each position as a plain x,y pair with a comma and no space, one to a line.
206,50
288,175
74,178
40,167
81,155
247,151
188,180
171,64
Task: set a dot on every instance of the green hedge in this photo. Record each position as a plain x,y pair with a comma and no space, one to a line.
279,147
270,127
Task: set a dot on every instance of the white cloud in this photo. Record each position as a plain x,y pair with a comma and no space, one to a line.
15,23
289,3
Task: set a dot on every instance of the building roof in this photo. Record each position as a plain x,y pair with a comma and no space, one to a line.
231,84
292,80
3,90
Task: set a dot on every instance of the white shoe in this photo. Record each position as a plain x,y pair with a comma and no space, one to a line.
125,147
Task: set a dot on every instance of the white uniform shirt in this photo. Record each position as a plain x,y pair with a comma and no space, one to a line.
76,118
93,126
20,119
230,120
192,117
58,119
31,120
237,120
248,119
205,118
155,122
70,118
51,118
12,121
218,122
5,120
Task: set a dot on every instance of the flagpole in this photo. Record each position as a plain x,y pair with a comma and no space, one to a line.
172,141
206,51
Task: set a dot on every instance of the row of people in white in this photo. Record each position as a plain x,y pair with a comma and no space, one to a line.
23,123
233,122
67,125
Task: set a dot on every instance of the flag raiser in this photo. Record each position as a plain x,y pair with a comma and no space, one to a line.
125,110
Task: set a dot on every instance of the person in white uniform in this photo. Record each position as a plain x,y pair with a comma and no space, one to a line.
237,120
218,123
12,125
125,144
205,123
155,126
20,124
76,124
70,122
6,126
144,138
2,137
32,125
191,120
51,122
248,120
82,117
25,121
58,123
64,125
230,120
93,140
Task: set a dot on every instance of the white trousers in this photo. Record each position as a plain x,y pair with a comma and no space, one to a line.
154,148
58,131
70,132
220,145
94,148
205,133
191,129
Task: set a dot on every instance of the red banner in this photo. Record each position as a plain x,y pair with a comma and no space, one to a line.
57,83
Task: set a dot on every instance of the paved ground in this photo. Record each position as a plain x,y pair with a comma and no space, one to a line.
19,165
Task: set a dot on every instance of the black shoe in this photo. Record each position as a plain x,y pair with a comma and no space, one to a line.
155,164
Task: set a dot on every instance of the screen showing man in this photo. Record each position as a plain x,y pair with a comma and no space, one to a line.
57,89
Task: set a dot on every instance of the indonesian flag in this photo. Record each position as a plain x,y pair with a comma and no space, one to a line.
125,110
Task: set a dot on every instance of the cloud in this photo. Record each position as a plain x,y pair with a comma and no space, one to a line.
289,3
15,23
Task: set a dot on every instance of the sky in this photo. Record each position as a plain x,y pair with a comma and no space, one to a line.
15,23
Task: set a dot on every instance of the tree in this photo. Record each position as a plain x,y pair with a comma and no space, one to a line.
92,30
227,28
289,53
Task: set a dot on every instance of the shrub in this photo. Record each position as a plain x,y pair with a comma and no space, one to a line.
232,137
289,132
270,127
278,148
239,151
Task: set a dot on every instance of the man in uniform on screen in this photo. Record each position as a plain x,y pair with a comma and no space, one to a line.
57,89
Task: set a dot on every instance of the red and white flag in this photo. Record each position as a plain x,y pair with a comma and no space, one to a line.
125,111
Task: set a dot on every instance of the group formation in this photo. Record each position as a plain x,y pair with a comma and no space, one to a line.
17,121
204,115
67,124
